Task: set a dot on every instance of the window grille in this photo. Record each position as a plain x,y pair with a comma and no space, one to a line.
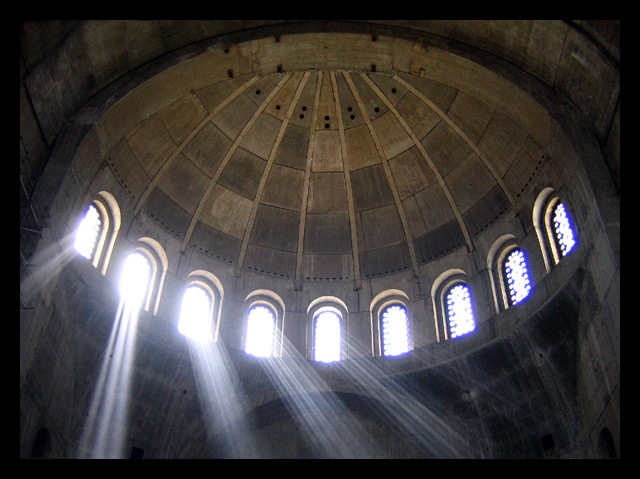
87,233
459,312
516,277
564,234
395,330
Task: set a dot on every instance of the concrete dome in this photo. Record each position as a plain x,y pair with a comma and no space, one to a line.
283,162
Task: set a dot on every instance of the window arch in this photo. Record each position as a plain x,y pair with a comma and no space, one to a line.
453,305
326,333
264,324
509,272
391,329
41,444
606,445
143,272
201,305
555,227
96,230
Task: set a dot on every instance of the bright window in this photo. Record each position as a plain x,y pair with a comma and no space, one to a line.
516,276
195,314
395,330
135,279
459,311
260,331
87,232
562,228
327,336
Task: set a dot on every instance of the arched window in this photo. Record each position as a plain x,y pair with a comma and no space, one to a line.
327,316
509,272
97,229
555,228
606,445
261,331
453,305
458,310
41,444
563,233
327,326
390,323
264,321
201,305
395,330
135,279
515,276
87,232
142,275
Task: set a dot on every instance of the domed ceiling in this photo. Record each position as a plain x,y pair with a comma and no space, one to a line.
318,174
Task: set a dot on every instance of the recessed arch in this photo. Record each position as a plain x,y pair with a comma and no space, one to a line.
156,257
555,226
606,445
509,272
97,229
452,288
390,323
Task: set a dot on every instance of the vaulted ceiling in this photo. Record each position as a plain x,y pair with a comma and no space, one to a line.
312,171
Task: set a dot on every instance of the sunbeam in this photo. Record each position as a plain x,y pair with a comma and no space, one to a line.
45,266
324,420
223,404
435,436
107,420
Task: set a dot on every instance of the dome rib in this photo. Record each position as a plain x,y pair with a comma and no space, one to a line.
225,160
163,168
464,137
306,181
388,174
427,158
272,155
347,180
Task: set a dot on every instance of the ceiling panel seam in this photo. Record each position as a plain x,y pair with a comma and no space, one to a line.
388,174
165,166
225,160
307,179
464,137
347,179
267,169
427,158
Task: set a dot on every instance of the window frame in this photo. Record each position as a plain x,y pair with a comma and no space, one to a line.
110,222
158,262
439,291
543,212
379,304
496,259
445,310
